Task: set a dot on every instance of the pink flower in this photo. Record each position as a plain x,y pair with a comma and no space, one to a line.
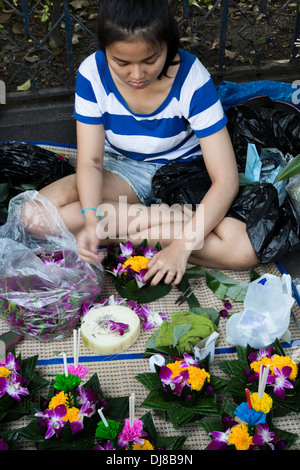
131,434
80,371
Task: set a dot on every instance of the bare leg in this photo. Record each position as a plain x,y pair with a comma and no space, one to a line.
227,247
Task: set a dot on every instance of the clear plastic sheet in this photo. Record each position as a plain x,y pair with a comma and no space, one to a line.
44,286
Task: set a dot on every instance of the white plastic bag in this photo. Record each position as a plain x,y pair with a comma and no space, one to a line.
266,314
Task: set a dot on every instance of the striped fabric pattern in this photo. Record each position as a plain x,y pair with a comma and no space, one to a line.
191,110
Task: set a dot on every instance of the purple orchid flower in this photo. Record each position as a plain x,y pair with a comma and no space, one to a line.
113,326
148,253
3,445
279,381
11,363
86,396
257,356
77,425
13,387
132,304
85,308
148,317
264,435
188,361
118,270
175,383
111,300
106,446
127,251
220,441
139,277
53,420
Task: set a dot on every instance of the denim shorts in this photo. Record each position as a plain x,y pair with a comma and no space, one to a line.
138,174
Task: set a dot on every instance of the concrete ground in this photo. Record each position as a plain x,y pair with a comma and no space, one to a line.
39,120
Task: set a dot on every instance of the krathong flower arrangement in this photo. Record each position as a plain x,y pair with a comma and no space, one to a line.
67,419
127,266
181,388
282,381
133,434
19,382
44,298
249,425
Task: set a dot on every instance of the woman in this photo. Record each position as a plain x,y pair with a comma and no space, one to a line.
141,103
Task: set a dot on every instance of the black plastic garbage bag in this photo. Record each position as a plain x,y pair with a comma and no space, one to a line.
182,183
27,162
25,166
272,229
265,123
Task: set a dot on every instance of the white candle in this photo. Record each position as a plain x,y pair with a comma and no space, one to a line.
263,380
76,346
103,417
131,409
65,363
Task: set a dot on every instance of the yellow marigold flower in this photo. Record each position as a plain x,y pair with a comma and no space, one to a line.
72,415
240,437
197,377
60,399
175,368
146,446
264,361
263,404
4,372
136,263
282,361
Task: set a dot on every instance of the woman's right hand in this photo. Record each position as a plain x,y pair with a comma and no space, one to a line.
88,243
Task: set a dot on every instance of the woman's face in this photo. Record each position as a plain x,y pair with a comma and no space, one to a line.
136,63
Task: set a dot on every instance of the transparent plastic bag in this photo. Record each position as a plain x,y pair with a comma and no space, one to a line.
44,285
266,314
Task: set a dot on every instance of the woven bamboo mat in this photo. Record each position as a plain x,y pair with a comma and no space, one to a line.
117,373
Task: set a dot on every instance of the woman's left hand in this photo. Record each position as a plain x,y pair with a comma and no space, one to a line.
170,263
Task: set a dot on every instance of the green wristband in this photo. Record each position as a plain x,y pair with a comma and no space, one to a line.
93,209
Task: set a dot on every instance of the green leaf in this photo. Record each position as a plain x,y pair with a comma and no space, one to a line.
25,86
287,437
143,295
210,425
4,191
291,169
163,442
150,380
179,416
117,408
211,312
179,331
155,401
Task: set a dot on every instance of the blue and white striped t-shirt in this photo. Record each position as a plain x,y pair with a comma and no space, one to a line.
191,110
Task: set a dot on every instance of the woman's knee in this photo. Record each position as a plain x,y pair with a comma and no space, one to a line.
61,192
237,246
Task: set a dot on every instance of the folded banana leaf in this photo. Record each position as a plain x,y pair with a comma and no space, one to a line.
10,339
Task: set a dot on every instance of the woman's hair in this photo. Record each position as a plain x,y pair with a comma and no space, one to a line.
151,20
